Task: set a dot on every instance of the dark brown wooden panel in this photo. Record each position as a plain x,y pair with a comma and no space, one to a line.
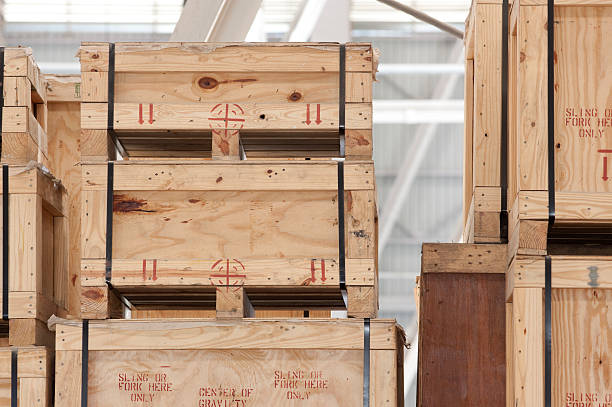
461,340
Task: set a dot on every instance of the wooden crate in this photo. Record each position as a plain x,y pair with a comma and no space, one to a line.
28,371
38,252
212,100
462,325
64,134
482,204
243,362
218,234
24,109
581,330
582,137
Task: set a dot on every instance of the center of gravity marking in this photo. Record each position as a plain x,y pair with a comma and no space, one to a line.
229,274
225,116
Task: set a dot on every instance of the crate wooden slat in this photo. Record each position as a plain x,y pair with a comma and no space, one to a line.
38,251
207,100
34,376
581,326
179,227
24,113
482,125
187,361
64,133
461,325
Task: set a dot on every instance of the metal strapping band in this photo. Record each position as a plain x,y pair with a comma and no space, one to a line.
14,375
109,222
84,362
5,242
503,174
341,244
111,100
551,114
366,362
342,99
547,331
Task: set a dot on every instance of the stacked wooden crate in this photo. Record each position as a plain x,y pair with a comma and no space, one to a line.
24,108
205,234
462,325
559,196
538,131
35,279
35,226
26,376
227,181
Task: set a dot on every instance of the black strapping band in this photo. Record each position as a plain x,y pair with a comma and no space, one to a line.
1,84
547,331
503,174
5,242
109,221
111,100
342,99
551,114
366,362
14,375
84,362
341,245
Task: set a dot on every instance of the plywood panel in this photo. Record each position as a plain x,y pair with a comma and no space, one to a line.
583,109
581,346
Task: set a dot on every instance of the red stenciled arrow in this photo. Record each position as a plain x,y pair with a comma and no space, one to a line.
151,113
323,270
313,277
318,121
308,114
154,269
605,169
140,121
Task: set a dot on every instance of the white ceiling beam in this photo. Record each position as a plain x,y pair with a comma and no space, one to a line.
415,155
417,111
424,17
215,20
429,69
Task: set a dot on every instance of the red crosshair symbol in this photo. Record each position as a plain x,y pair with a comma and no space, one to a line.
223,119
237,280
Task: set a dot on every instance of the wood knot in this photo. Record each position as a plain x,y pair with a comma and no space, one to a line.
295,96
208,83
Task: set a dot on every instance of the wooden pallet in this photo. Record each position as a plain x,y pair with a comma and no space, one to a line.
38,252
24,112
212,100
253,362
581,328
462,325
33,376
218,234
482,124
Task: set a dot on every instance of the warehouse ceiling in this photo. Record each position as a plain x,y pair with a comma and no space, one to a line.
418,103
